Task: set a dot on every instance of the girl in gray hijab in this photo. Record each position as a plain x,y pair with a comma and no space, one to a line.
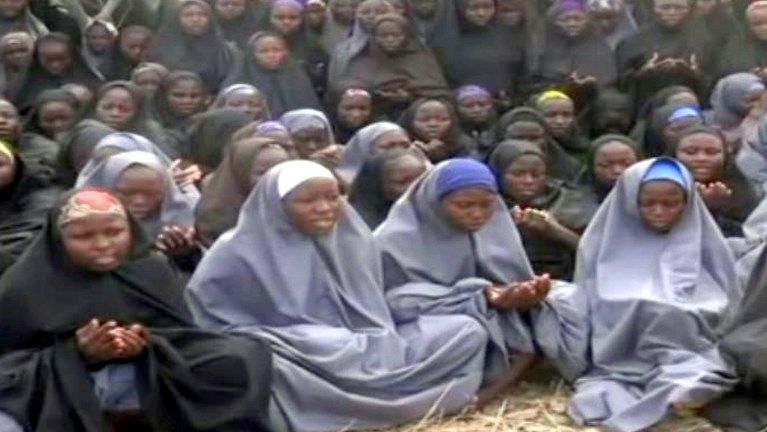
658,277
434,263
367,142
340,360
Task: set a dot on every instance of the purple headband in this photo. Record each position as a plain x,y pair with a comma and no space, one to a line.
271,126
471,91
570,6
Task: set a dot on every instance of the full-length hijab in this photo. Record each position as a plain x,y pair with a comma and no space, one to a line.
340,360
189,379
655,301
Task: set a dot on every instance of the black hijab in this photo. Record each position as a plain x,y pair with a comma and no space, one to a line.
286,89
162,111
588,179
458,143
188,379
240,29
207,134
209,55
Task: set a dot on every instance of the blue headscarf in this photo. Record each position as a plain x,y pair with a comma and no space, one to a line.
464,173
666,168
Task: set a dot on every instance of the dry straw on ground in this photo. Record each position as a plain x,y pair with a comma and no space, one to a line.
536,405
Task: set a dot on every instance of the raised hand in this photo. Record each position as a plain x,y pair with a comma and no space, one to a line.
174,240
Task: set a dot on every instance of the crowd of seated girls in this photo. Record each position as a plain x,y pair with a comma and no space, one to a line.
293,215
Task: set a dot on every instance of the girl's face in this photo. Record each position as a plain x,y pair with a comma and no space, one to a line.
392,140
264,161
309,141
399,174
135,45
525,178
559,114
675,129
704,155
432,120
390,37
55,57
672,13
142,189
230,9
99,39
270,52
529,131
611,160
344,11
476,109
661,204
314,16
369,10
97,242
18,54
195,20
314,207
286,18
424,8
479,12
757,22
186,97
354,110
511,13
56,117
10,124
248,102
572,23
469,209
149,81
7,171
116,108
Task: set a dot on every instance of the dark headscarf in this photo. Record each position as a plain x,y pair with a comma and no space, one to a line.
599,118
286,89
209,55
743,52
162,110
560,164
207,135
458,142
599,190
654,143
240,29
188,378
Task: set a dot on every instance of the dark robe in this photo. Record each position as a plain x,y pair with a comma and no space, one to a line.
240,29
587,55
743,53
206,135
210,55
188,378
286,89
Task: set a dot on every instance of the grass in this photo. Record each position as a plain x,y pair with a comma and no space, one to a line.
538,404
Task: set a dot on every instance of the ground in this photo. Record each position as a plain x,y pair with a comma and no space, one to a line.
536,405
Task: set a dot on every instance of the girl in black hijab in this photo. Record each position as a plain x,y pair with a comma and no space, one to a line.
91,325
240,19
434,124
194,42
181,95
609,156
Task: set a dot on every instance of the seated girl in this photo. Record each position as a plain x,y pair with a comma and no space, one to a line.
476,112
312,136
658,277
368,142
549,213
434,124
92,321
450,245
340,360
181,95
609,156
246,98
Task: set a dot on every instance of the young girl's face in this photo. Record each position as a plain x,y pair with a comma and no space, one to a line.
390,36
142,189
399,174
56,117
397,139
230,9
469,209
529,131
475,109
432,120
55,57
99,39
286,18
314,207
511,13
10,123
661,204
370,10
264,161
116,108
480,12
248,102
344,11
354,110
560,116
148,80
611,160
571,23
270,52
97,242
525,178
186,97
309,141
195,20
134,46
314,16
704,155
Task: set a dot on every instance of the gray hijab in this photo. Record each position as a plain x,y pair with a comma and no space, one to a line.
177,207
305,118
341,362
752,157
361,147
655,301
